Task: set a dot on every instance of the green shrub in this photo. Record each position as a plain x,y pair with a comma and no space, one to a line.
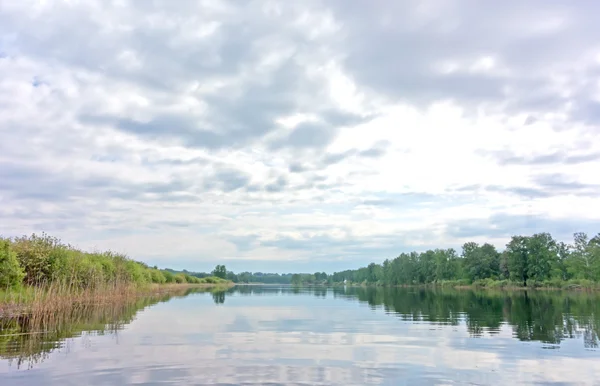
136,272
43,260
11,273
553,283
33,254
169,277
498,283
455,283
157,276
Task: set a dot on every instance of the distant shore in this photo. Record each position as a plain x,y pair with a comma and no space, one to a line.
571,285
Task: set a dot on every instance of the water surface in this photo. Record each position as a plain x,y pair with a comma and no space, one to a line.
317,336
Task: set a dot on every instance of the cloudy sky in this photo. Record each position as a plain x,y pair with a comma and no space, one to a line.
297,135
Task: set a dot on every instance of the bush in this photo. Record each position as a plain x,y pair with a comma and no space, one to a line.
43,260
136,272
455,283
553,283
157,276
11,273
169,277
33,254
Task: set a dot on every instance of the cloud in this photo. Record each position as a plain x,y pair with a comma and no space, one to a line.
556,157
502,227
318,133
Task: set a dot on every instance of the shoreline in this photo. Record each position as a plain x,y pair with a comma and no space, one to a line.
570,288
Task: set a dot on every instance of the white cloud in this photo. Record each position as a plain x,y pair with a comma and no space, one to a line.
313,131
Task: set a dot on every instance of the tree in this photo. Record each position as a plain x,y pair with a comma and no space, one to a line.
232,276
446,264
220,271
542,256
296,279
584,262
518,256
563,255
11,274
481,262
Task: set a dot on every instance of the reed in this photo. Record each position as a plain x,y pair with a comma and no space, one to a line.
40,274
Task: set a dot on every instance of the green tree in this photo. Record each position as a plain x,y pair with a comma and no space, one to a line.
584,262
296,279
542,256
220,271
481,262
446,264
563,255
11,273
518,259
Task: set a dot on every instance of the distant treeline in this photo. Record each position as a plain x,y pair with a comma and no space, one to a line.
242,277
44,260
536,260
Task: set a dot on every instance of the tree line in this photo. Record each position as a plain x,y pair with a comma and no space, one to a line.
245,277
526,260
536,260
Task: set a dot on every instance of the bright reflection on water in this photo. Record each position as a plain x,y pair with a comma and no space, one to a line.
282,335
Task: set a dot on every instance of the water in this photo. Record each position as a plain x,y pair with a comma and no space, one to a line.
282,335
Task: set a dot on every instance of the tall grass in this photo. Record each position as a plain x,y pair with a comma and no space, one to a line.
46,274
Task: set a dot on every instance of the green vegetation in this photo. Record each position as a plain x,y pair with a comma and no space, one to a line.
243,277
318,278
220,271
37,267
536,261
527,261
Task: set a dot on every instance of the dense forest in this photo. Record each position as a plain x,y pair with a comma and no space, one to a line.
526,261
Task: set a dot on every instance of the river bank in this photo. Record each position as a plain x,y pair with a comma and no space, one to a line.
568,285
39,273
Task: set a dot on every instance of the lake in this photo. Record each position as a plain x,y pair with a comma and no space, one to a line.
318,336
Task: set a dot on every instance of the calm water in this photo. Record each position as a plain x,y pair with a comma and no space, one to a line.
281,335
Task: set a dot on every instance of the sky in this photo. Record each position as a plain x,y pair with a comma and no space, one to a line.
287,136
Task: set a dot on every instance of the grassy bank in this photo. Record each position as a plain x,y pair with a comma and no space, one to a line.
40,273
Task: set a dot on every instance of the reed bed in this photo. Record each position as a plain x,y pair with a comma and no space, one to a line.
40,274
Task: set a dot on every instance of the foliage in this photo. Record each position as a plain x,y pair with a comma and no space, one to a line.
40,261
11,273
220,271
536,260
